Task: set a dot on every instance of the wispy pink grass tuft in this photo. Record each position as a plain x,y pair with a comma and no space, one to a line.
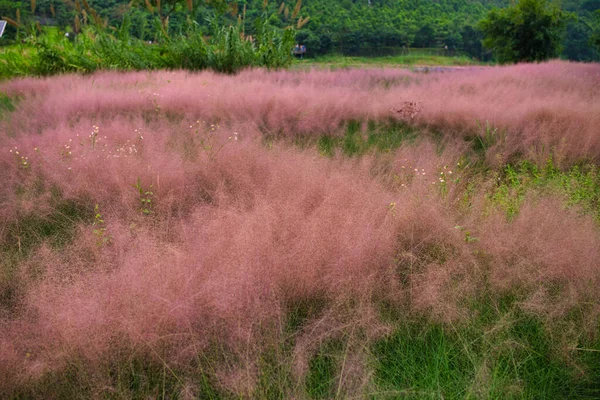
545,244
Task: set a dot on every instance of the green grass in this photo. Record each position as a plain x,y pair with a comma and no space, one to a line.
422,361
6,105
358,140
578,186
16,60
505,355
137,378
56,229
322,377
408,60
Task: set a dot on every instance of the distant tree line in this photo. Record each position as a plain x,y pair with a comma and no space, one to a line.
351,27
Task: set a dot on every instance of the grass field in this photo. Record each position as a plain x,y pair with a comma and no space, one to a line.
357,233
408,60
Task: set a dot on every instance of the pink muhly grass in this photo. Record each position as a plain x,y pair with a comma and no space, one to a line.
263,229
545,246
232,242
537,109
238,232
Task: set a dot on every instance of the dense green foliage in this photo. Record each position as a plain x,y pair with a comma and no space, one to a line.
596,36
93,46
93,49
349,27
531,30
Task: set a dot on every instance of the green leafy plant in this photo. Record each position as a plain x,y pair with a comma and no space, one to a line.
145,197
488,135
223,48
102,237
469,238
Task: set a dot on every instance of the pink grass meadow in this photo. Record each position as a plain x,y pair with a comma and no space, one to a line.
237,231
533,110
231,242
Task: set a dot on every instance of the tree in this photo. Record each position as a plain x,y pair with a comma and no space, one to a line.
471,38
425,37
530,30
595,39
578,40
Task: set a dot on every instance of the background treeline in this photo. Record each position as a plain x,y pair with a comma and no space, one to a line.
385,27
350,27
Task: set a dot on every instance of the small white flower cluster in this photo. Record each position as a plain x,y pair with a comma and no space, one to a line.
66,149
127,149
420,172
94,135
147,91
23,161
443,174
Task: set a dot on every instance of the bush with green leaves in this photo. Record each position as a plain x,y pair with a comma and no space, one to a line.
225,49
530,30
